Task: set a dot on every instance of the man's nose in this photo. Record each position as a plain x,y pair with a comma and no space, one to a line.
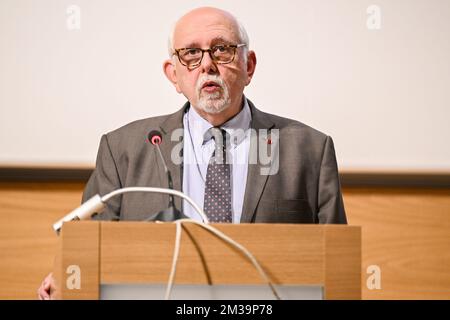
208,65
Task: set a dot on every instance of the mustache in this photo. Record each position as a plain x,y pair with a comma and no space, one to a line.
209,78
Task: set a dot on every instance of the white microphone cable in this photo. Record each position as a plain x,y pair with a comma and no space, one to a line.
158,190
98,203
221,236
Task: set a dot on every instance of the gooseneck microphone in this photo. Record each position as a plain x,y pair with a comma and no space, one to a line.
171,213
155,139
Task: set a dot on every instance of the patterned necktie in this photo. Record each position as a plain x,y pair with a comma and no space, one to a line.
217,201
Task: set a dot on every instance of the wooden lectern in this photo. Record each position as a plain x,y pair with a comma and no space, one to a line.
141,253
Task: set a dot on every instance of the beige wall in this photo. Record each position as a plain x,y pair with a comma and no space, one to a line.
381,94
405,232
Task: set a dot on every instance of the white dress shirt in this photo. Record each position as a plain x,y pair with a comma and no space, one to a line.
197,151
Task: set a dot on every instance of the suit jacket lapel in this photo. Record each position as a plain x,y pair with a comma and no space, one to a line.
255,180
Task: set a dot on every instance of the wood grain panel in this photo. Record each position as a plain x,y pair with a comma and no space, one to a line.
79,246
342,263
27,241
405,231
144,261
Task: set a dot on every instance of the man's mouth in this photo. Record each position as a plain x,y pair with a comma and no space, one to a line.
211,86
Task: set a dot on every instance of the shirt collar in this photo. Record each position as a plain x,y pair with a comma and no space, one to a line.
236,127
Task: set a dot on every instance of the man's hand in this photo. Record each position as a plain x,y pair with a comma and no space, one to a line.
47,289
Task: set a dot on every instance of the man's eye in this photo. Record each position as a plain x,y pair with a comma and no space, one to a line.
191,52
220,49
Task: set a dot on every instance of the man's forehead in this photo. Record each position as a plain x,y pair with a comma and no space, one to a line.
206,37
205,30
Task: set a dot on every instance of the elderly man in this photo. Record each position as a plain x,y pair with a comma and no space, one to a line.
211,64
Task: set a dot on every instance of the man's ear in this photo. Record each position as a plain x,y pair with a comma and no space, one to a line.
251,66
171,74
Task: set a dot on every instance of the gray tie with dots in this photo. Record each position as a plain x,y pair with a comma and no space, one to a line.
217,201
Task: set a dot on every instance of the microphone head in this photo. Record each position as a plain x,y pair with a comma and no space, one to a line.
155,137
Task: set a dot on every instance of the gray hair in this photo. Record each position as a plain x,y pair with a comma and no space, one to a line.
243,38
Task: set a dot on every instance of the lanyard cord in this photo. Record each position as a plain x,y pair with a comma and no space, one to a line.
193,149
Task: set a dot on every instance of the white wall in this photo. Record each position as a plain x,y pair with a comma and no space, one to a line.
383,95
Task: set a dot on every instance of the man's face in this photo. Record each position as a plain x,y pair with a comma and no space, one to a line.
210,87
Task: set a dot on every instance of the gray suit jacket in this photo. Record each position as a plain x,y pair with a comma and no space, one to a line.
305,189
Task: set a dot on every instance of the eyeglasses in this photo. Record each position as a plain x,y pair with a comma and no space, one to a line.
221,54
